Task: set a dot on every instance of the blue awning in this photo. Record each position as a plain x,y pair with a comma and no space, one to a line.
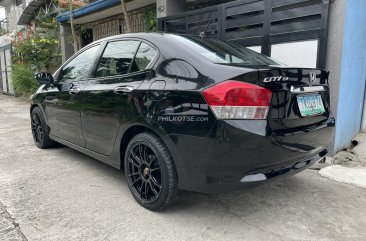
90,8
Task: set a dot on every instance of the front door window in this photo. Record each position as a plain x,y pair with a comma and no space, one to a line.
78,68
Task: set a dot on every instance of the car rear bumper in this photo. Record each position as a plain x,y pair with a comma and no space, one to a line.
240,154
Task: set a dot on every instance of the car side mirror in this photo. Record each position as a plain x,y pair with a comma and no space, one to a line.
44,78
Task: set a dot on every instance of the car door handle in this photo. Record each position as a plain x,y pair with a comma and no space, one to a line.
74,90
123,89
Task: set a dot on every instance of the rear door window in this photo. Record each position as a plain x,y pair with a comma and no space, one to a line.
117,58
143,58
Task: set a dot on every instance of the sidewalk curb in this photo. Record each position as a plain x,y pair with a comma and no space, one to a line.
353,176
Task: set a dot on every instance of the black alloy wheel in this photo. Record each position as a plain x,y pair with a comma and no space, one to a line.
37,129
151,173
144,172
40,130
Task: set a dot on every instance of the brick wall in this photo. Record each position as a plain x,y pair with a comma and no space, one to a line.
115,25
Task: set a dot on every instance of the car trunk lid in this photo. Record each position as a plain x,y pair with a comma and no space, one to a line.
294,92
300,96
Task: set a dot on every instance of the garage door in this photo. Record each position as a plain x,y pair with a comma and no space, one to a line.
271,27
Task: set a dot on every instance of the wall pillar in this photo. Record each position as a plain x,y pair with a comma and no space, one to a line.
67,49
337,12
352,75
170,7
363,126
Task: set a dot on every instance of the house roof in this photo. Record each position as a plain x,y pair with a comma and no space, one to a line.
90,8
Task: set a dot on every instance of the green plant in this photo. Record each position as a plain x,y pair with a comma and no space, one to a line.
24,81
150,18
41,50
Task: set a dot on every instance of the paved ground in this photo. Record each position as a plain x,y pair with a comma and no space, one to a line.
60,194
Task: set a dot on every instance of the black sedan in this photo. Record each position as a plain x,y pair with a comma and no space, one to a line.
180,112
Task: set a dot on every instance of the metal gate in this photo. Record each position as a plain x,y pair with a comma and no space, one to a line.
258,22
5,70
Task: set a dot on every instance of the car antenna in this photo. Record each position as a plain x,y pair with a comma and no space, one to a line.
204,33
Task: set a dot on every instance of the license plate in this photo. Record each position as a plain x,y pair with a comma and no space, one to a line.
310,105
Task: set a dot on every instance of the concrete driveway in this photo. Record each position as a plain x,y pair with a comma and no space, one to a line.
60,194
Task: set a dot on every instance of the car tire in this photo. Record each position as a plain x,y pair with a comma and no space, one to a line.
150,172
40,130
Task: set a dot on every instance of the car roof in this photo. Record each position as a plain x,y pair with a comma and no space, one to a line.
144,35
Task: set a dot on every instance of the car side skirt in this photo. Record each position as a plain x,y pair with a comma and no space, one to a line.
110,160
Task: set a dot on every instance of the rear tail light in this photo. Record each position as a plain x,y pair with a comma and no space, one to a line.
238,100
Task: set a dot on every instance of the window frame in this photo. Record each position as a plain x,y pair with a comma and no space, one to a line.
58,72
139,40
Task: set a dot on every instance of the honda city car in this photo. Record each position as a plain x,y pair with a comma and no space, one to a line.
183,112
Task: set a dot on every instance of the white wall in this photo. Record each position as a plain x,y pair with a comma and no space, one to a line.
296,54
2,13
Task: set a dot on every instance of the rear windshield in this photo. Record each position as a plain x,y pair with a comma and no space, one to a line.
218,51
